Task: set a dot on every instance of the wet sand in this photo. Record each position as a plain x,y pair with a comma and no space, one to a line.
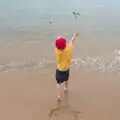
30,95
27,82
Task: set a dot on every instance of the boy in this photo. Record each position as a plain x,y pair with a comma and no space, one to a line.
63,61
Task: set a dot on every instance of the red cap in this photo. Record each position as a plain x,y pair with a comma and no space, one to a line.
60,43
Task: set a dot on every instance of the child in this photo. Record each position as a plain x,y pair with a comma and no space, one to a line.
63,61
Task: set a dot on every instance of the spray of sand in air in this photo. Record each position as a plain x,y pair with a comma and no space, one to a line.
76,15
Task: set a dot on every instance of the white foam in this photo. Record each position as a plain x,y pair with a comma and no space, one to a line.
97,63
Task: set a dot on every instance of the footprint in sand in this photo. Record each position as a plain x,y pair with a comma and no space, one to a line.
63,112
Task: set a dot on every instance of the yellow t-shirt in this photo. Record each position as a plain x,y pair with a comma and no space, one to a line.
63,57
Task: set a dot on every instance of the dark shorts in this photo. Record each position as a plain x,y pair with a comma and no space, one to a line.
62,76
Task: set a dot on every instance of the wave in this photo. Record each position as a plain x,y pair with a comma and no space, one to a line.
97,63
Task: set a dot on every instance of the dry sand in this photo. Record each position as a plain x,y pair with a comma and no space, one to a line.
30,95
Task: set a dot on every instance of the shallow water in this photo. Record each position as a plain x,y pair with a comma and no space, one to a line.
27,38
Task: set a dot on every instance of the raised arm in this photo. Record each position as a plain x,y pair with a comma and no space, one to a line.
74,37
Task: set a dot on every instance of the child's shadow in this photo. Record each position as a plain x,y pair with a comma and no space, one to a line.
64,110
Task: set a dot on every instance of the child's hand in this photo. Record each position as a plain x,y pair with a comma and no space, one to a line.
75,35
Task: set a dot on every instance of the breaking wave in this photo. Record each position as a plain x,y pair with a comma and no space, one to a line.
97,63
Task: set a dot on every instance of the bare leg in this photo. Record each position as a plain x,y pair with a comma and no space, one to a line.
66,86
58,86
